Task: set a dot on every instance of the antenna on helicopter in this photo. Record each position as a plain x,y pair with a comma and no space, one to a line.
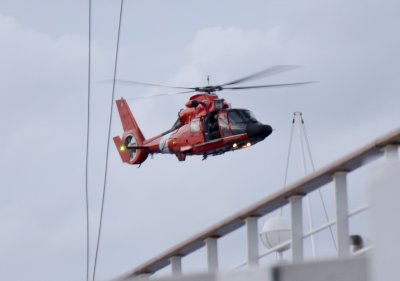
208,80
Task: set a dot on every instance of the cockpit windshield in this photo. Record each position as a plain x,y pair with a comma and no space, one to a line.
239,119
241,116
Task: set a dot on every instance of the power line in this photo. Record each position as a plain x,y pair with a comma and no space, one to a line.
87,139
108,143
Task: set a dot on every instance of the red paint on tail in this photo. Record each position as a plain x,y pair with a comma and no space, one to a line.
128,121
132,136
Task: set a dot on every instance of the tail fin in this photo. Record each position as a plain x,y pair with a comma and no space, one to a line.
128,121
132,137
122,150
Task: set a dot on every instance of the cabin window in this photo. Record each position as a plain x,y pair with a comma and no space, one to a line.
195,125
223,124
218,104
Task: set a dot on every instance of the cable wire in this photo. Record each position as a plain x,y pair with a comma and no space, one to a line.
87,140
319,190
307,197
108,142
288,157
304,131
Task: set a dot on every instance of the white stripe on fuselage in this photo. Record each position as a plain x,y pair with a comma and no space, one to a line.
163,145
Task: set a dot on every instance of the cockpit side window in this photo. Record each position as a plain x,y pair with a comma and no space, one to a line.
250,116
235,118
239,119
223,124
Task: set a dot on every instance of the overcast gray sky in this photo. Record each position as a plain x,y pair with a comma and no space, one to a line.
350,47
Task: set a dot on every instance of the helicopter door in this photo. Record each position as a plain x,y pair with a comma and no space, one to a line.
223,124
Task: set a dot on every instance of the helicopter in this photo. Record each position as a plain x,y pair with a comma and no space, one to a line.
208,125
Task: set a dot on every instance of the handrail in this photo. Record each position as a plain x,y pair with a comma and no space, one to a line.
270,203
305,235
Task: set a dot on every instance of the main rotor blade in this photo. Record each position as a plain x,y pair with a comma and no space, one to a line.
269,86
130,82
159,95
263,73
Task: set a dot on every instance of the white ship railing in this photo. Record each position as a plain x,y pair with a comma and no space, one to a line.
292,195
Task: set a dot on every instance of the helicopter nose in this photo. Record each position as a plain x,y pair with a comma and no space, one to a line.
258,131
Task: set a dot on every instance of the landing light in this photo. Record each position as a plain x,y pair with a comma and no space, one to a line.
234,145
122,148
248,144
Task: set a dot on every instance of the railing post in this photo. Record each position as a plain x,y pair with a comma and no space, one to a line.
212,254
176,265
391,152
143,276
342,217
296,210
252,241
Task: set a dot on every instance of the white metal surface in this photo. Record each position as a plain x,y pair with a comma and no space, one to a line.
176,265
391,152
277,248
310,225
344,269
296,212
349,269
275,231
212,254
342,221
385,194
252,241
